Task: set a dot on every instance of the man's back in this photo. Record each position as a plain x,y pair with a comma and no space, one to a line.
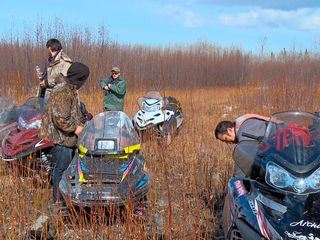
254,126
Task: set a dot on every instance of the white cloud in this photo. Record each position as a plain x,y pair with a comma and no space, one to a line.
269,4
311,22
300,19
182,15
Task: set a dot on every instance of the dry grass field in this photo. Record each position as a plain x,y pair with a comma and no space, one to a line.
187,174
190,174
194,167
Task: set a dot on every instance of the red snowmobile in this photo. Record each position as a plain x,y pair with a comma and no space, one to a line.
23,142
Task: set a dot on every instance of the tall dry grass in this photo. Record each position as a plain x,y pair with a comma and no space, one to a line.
211,83
194,165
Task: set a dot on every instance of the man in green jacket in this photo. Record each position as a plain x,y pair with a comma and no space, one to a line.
115,90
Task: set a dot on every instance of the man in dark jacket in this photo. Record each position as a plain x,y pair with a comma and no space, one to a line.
231,132
62,123
115,90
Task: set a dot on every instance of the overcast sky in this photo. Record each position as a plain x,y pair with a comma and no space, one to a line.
249,24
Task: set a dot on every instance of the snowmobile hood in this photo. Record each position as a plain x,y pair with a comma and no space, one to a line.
287,215
105,180
272,214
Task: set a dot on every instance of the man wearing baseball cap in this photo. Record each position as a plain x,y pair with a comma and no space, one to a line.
115,88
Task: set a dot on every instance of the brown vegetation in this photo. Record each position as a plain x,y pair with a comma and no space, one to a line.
211,83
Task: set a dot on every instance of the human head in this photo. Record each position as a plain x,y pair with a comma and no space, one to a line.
115,72
53,46
225,131
77,74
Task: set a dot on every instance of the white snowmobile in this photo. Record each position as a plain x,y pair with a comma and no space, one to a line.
164,115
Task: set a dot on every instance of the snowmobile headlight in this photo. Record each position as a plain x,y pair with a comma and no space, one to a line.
34,125
151,108
314,179
279,178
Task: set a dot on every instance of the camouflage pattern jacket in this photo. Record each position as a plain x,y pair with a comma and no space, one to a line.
114,98
57,69
63,115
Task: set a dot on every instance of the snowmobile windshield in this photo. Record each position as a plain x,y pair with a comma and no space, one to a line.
109,133
35,103
293,137
33,108
8,111
150,102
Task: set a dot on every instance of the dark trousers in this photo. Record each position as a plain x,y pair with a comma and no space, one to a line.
63,157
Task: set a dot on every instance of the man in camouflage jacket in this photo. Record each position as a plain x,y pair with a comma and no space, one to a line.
115,90
62,125
58,64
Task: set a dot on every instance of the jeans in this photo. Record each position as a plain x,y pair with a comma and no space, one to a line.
63,157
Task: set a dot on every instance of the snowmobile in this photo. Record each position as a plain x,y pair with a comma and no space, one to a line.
107,167
23,143
9,112
164,115
277,196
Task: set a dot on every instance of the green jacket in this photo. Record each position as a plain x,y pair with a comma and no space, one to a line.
114,98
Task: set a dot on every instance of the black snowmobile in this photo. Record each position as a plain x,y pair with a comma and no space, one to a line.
279,197
107,169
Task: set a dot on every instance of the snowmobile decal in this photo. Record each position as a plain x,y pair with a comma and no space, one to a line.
39,144
271,204
253,208
132,148
303,223
81,177
299,236
82,150
263,226
142,181
240,188
127,170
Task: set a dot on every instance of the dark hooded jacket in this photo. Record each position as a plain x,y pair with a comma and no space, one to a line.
63,115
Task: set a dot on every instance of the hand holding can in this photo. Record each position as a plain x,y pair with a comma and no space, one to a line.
38,72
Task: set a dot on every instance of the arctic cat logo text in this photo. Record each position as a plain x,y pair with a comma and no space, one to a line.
303,223
39,144
297,235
